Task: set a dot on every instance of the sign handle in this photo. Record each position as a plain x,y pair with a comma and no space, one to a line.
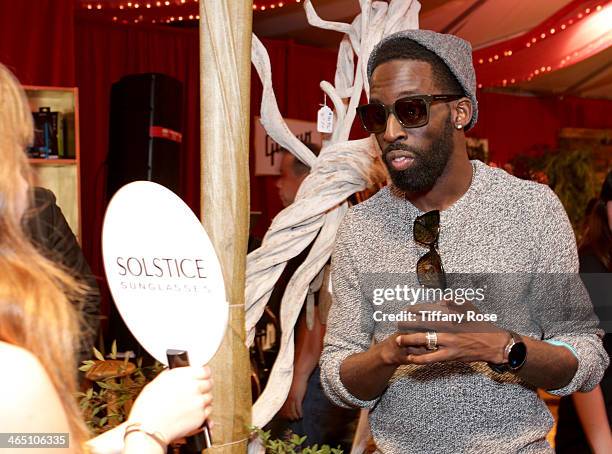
202,439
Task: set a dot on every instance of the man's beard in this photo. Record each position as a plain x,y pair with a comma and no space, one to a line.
428,163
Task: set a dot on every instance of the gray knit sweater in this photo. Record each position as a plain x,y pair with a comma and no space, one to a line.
501,225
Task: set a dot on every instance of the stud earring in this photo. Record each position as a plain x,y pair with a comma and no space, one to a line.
458,126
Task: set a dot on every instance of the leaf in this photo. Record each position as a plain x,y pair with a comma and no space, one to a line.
295,439
97,354
85,367
113,354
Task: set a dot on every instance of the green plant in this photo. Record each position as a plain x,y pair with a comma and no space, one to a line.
107,403
571,175
291,445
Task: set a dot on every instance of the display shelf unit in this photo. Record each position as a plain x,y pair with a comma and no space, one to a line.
62,176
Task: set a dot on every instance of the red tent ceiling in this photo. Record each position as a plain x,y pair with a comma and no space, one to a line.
573,57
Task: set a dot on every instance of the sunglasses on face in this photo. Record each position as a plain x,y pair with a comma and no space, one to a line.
426,230
411,112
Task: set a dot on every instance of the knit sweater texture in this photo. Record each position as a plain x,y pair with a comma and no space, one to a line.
502,224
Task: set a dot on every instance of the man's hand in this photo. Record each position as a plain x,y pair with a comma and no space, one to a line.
445,317
466,347
460,338
292,408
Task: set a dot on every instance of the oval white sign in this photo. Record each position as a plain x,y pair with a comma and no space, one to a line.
163,273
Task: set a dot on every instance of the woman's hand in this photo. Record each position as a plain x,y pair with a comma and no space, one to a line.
176,403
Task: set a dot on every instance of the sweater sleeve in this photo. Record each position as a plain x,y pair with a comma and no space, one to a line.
349,325
560,300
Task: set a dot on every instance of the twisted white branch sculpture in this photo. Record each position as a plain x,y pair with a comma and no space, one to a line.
342,169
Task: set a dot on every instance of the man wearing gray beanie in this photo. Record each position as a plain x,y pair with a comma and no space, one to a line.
452,375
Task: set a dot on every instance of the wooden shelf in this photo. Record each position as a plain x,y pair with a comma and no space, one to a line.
62,175
52,162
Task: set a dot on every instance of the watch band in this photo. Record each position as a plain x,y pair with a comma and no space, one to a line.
515,339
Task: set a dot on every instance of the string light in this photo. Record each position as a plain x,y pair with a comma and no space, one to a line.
271,5
533,40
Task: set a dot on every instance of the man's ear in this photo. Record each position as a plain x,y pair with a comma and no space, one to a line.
462,113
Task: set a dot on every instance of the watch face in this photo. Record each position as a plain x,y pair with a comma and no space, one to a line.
517,355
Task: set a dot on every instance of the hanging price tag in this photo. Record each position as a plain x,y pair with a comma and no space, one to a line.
325,120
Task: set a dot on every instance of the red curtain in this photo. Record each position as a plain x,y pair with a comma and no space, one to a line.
37,41
104,54
519,124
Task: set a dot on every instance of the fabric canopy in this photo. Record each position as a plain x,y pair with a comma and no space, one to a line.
578,29
576,33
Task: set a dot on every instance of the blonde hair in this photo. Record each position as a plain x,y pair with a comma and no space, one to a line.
35,312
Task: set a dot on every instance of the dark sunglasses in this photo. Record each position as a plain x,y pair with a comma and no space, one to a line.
411,112
430,271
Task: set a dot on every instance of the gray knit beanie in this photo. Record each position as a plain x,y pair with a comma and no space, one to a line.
455,52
